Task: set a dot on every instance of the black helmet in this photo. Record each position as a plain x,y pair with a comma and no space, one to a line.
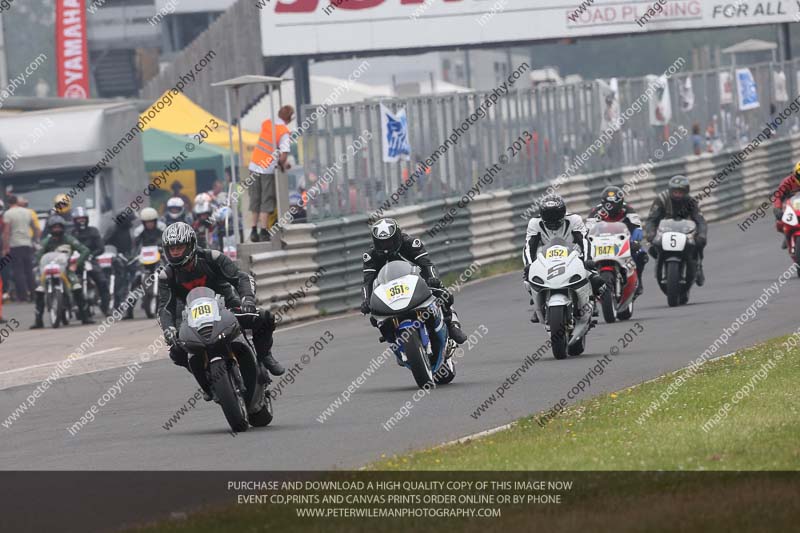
613,200
80,217
679,189
177,234
56,220
386,235
552,210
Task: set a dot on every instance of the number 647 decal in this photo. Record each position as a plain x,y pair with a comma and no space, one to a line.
556,270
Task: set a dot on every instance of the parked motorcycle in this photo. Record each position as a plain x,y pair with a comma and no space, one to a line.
789,225
238,383
403,306
611,253
562,296
675,245
57,290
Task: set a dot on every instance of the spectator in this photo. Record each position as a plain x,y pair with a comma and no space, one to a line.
5,263
697,139
217,193
262,167
17,239
177,187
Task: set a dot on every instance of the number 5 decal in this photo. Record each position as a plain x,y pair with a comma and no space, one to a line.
556,270
672,242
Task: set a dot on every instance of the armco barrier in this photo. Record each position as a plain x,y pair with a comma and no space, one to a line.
492,227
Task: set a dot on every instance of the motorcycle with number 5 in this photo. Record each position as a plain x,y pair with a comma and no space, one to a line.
675,245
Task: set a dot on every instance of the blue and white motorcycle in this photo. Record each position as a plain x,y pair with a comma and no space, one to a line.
410,316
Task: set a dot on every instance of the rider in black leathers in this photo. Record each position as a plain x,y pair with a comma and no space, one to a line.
189,267
90,237
676,203
390,243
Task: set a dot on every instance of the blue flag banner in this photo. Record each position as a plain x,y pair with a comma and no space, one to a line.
394,135
748,91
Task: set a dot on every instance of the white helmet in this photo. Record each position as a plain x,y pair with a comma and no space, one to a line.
203,197
202,207
175,208
147,214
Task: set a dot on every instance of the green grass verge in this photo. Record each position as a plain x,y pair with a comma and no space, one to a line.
487,270
760,432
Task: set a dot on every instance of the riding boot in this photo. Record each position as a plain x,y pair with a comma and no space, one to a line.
83,311
38,323
262,339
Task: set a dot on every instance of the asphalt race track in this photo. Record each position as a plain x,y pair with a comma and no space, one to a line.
128,434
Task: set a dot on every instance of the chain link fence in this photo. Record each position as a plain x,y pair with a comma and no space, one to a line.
557,124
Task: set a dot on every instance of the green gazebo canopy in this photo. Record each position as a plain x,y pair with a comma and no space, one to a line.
162,148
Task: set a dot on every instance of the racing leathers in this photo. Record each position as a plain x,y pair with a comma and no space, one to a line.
571,229
412,251
49,244
633,222
664,207
788,187
90,237
216,271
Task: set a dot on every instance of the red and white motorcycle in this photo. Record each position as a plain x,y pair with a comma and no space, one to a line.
789,225
611,253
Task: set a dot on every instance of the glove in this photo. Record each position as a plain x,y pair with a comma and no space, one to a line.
435,283
778,212
248,305
588,264
365,307
701,241
171,336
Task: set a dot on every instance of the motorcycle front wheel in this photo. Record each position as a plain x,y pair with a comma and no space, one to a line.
673,283
231,400
418,360
557,320
609,295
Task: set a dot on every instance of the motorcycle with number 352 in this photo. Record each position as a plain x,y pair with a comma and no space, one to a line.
562,297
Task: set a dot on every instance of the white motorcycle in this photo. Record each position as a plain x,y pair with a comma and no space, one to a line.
562,296
611,252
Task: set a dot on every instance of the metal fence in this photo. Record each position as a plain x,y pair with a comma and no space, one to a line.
561,122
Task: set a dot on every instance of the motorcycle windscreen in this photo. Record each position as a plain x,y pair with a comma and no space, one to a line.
202,307
676,225
398,287
54,257
608,228
607,239
557,249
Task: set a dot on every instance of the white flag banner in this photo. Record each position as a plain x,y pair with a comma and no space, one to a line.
687,95
747,89
394,135
725,87
781,89
609,101
660,103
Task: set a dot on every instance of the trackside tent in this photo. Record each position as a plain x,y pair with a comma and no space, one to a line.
184,117
163,151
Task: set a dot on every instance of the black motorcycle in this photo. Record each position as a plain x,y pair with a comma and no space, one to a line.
238,382
675,245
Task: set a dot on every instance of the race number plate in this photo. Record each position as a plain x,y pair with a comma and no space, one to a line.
555,252
201,311
605,250
397,291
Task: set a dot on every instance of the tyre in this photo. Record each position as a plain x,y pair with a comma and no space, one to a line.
626,313
797,254
673,283
557,320
55,309
264,416
607,301
577,348
446,373
222,383
418,360
150,306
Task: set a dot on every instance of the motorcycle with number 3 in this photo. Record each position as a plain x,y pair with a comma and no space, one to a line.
789,225
402,301
238,382
562,297
57,289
